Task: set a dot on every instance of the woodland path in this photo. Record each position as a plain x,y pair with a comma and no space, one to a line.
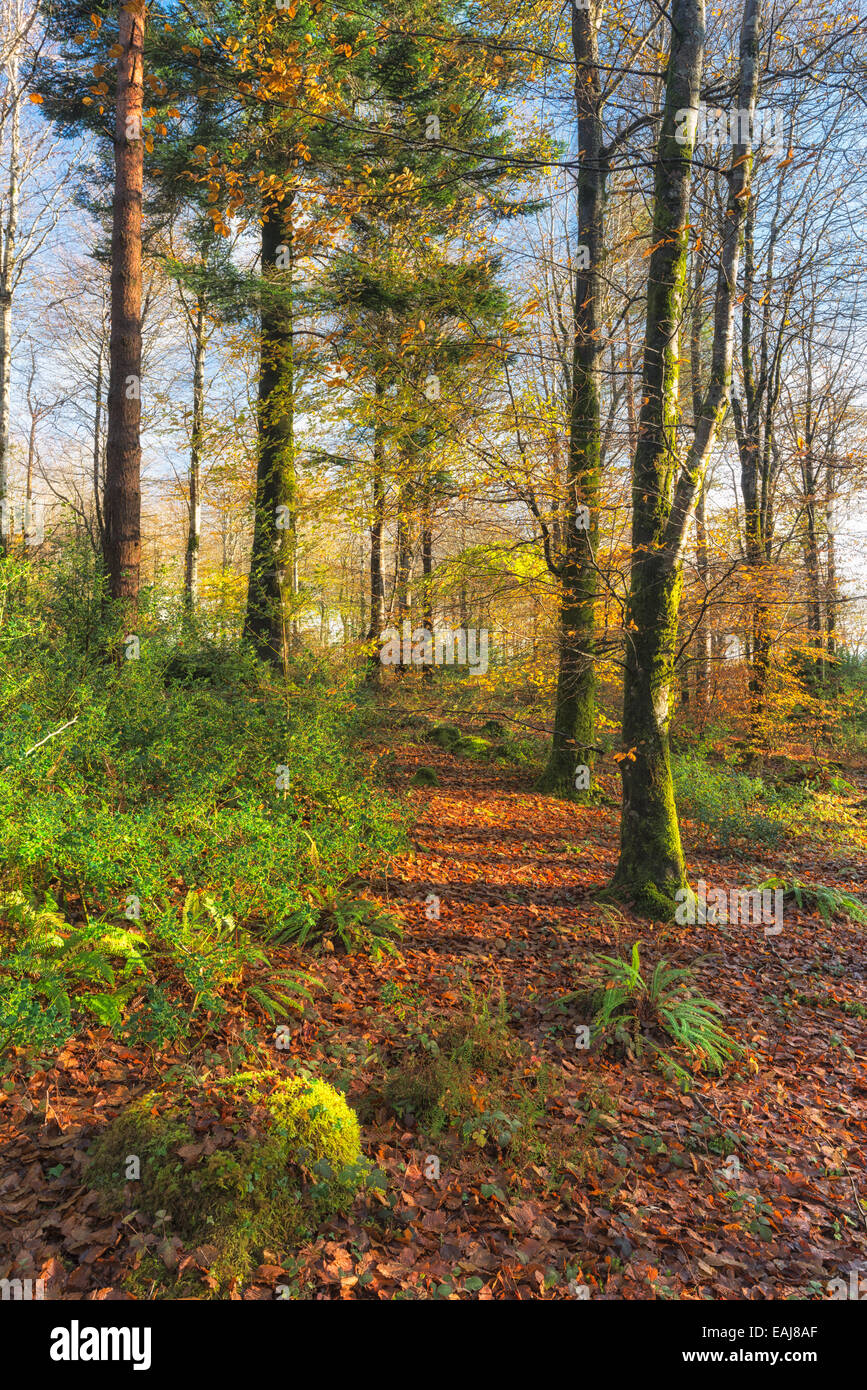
634,1192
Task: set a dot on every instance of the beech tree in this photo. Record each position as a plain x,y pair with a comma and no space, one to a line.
650,867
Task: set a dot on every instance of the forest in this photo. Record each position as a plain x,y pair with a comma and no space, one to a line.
433,655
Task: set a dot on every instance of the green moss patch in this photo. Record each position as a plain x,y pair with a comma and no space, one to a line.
424,777
250,1162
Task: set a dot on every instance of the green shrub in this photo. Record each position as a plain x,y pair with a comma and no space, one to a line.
434,1080
730,804
332,918
492,728
56,975
446,736
473,747
153,780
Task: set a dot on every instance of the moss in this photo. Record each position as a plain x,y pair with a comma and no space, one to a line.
493,728
315,1123
474,747
245,1165
424,777
446,736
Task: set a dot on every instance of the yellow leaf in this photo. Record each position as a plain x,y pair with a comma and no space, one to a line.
36,98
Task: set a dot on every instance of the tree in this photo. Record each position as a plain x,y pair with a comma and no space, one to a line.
19,241
650,867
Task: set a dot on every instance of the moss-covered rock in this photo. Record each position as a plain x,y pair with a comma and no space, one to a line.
424,777
249,1162
446,736
493,728
473,747
316,1125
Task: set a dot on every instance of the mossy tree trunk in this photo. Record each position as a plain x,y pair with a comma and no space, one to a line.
272,561
427,613
194,520
573,737
377,525
403,597
650,869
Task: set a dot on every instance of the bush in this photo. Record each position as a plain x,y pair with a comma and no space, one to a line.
434,1081
424,777
57,974
473,747
827,901
355,924
446,736
189,770
730,804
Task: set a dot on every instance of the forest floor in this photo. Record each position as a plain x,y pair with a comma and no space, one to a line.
751,1185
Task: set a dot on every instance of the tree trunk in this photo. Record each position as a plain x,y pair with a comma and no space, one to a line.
702,634
573,738
402,605
831,596
9,235
122,544
650,869
97,453
427,614
273,557
377,582
194,529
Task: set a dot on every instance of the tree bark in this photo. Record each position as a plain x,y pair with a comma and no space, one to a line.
427,614
97,470
7,281
122,542
194,527
273,557
377,581
831,594
402,605
650,869
573,738
702,634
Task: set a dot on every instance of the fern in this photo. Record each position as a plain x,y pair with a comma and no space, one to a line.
828,902
629,1011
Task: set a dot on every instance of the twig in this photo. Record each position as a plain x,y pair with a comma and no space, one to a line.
44,740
